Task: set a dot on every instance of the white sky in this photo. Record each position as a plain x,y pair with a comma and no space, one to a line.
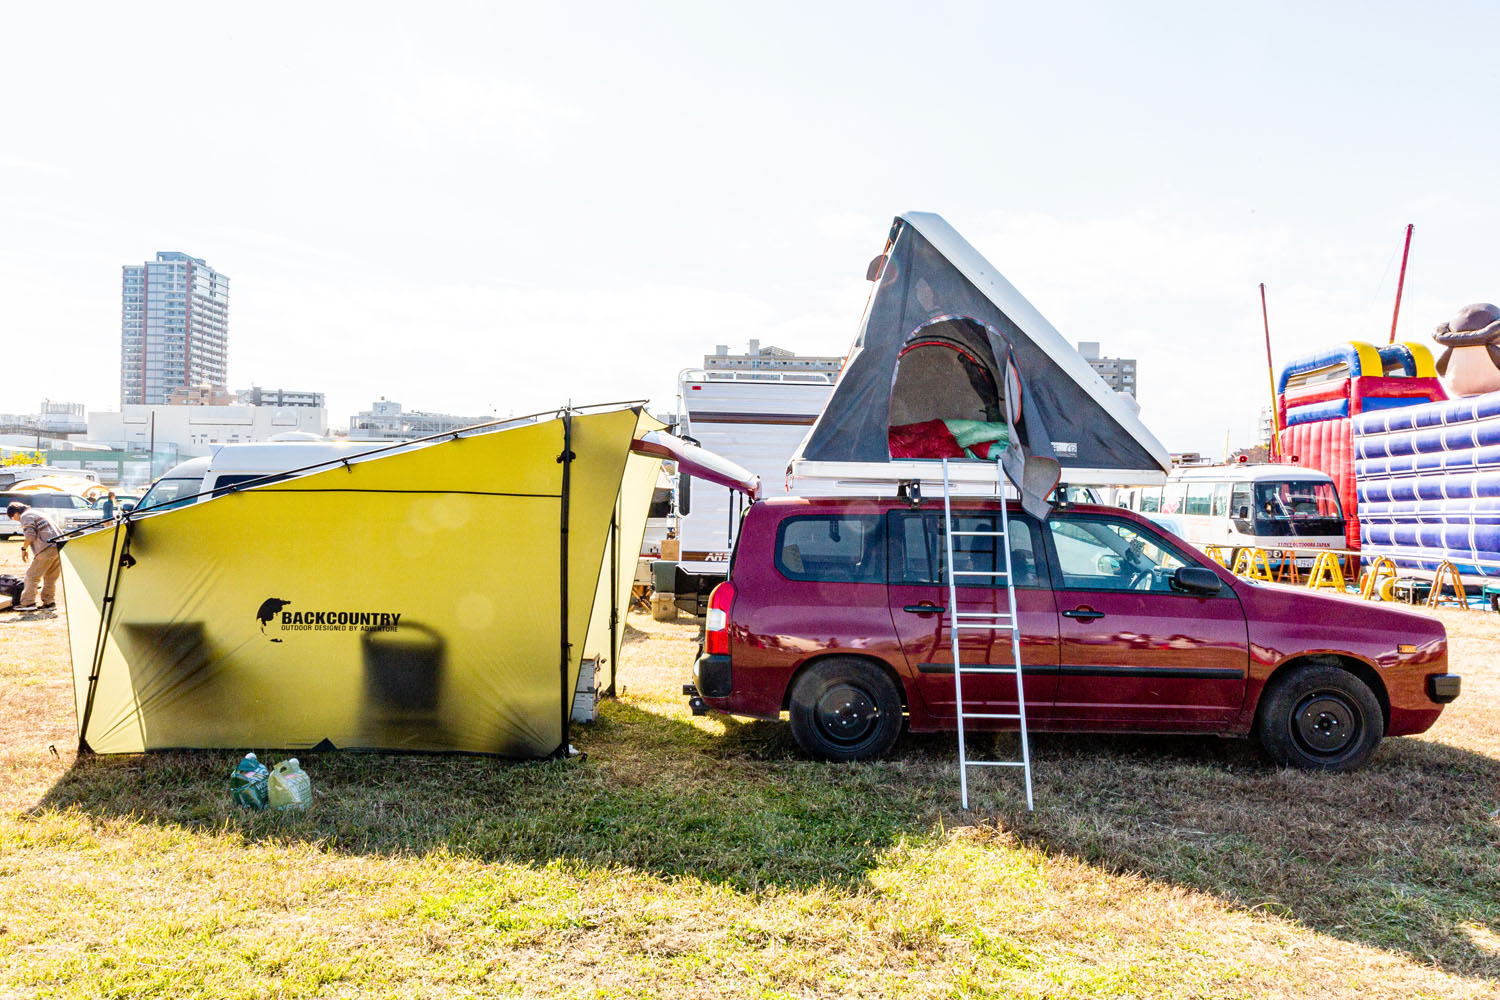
485,207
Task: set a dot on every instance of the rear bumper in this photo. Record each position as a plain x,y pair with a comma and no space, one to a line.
712,676
1443,688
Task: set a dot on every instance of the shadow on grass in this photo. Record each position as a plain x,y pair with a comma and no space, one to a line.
1404,855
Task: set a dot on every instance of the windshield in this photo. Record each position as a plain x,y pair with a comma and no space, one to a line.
1297,507
170,491
1297,501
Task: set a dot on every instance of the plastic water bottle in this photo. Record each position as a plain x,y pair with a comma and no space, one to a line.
290,786
247,783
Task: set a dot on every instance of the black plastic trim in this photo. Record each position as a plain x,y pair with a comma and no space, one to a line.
1207,673
1443,688
712,675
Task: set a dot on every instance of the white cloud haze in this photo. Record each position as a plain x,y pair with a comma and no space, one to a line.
496,209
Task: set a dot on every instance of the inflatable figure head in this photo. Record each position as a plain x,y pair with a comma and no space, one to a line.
1470,362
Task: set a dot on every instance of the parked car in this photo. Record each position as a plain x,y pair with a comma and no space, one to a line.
835,612
261,463
67,510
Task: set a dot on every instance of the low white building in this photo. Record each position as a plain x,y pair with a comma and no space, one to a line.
196,429
387,420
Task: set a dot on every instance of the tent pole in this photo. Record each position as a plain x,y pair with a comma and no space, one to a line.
614,596
566,458
118,552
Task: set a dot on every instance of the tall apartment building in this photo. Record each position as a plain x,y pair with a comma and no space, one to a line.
1118,373
174,327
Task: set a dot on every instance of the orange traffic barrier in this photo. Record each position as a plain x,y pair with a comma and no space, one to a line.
1327,574
1370,588
1286,571
1216,553
1434,596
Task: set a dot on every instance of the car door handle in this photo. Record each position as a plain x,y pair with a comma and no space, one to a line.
924,609
1083,614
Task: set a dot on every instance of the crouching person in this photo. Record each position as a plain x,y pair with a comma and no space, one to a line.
45,566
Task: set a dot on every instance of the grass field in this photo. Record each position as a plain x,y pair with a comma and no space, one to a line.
691,857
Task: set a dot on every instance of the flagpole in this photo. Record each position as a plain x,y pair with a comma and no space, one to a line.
1271,375
1401,282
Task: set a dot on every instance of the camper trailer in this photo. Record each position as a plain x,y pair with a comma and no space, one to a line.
755,419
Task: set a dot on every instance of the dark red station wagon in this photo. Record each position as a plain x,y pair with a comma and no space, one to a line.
835,612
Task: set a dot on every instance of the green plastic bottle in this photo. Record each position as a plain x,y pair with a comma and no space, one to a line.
247,783
290,786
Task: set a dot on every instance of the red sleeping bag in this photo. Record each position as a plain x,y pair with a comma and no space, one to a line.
930,439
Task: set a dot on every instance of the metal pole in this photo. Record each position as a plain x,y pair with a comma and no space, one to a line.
1401,282
614,597
566,458
1270,374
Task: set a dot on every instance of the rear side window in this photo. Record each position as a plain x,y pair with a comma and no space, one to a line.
918,550
832,548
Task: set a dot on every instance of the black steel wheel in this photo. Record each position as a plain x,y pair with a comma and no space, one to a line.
844,708
1320,717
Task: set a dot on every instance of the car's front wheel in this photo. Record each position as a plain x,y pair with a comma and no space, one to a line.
844,708
1319,717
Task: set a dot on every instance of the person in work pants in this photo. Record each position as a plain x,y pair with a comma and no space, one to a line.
46,565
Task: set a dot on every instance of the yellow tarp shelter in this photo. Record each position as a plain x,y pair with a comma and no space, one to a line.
414,600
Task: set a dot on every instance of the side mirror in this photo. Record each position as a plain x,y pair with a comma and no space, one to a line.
1243,514
1199,581
876,266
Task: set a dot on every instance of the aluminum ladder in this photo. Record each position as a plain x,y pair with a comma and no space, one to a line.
985,621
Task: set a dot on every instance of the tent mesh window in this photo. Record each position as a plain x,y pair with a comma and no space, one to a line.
945,394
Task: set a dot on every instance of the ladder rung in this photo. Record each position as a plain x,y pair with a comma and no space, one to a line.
994,763
978,572
979,534
981,626
992,715
987,670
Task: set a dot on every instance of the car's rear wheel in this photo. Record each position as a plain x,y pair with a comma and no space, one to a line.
1319,717
844,708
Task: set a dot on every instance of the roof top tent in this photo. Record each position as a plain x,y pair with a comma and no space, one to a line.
952,362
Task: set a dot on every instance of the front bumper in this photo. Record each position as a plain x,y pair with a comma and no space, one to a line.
1443,688
711,675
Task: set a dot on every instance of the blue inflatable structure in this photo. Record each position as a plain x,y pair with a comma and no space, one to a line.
1428,481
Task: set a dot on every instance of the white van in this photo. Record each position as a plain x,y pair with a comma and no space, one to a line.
234,464
1247,506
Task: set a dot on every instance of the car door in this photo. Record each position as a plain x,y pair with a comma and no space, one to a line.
1134,651
919,608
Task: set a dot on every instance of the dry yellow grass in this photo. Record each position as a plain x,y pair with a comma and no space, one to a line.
703,857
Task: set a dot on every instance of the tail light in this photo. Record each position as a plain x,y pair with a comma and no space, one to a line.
716,626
